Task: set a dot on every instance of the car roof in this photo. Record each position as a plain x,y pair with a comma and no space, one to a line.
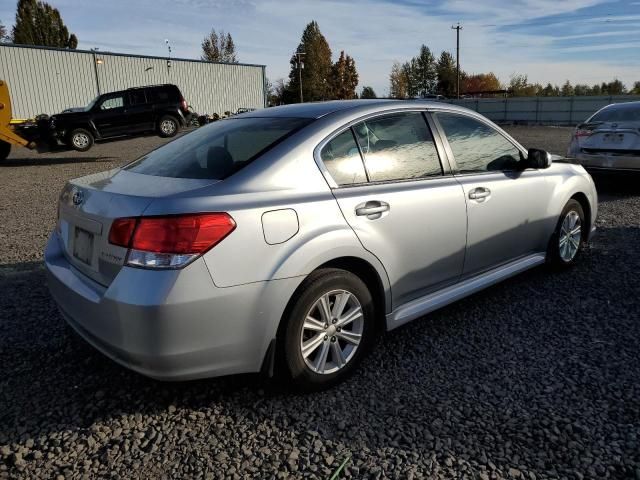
321,109
623,105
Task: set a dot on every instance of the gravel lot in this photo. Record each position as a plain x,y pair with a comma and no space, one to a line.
538,377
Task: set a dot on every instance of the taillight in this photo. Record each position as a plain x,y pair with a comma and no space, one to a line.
583,131
184,106
172,241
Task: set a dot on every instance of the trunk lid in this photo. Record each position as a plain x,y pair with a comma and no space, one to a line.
88,206
611,137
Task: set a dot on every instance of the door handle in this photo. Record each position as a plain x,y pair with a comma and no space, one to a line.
479,193
372,209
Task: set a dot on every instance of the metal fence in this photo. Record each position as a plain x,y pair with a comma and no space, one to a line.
541,110
48,80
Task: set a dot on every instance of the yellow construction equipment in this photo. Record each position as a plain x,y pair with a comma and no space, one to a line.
8,135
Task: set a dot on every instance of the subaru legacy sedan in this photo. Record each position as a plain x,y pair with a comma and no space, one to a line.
609,139
291,237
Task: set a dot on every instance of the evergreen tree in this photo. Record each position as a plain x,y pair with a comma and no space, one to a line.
423,72
3,32
616,87
567,89
407,73
317,71
447,75
636,89
38,23
344,78
367,92
581,90
219,47
596,90
547,91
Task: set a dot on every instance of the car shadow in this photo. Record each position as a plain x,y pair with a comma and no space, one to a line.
514,371
616,184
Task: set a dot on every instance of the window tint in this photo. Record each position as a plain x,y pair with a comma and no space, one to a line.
618,113
476,146
112,102
137,97
217,150
342,159
160,95
398,147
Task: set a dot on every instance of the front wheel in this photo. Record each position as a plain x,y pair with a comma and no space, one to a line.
329,329
168,126
81,139
566,241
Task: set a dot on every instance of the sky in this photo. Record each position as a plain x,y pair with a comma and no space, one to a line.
584,41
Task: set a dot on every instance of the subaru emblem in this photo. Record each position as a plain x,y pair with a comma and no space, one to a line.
77,197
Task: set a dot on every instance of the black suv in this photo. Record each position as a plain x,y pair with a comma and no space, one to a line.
160,108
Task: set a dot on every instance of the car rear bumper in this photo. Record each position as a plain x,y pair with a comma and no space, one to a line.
170,324
605,161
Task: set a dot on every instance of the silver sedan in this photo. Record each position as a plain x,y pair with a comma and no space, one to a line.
609,139
292,236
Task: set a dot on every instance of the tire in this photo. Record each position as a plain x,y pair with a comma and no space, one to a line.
168,126
80,139
5,150
564,249
339,347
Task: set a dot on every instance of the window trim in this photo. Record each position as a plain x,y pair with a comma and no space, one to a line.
445,141
447,171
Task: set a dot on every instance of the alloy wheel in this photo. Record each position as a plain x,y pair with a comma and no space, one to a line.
80,140
570,236
167,127
332,331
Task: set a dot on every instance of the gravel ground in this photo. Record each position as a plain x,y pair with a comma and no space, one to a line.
538,377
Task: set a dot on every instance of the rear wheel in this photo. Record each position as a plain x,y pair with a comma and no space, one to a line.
329,329
567,239
81,139
5,149
168,126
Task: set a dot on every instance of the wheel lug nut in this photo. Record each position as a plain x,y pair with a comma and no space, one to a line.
334,320
333,339
326,325
338,329
326,337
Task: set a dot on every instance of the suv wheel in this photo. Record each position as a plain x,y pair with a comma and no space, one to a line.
567,238
168,126
81,139
329,329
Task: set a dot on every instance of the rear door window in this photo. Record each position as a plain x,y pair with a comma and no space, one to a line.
398,147
217,150
341,158
137,97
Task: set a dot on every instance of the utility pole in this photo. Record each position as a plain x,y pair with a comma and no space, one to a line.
95,68
300,61
457,28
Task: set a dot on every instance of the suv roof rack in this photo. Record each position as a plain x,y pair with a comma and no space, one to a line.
148,86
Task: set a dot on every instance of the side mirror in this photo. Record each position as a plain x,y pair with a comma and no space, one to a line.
537,158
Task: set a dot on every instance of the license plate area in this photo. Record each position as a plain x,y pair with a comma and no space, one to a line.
83,245
613,138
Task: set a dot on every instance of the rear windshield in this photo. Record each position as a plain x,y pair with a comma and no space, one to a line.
618,113
217,150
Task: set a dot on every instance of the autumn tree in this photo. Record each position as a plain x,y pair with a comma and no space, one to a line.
398,82
480,82
38,23
317,70
219,47
367,92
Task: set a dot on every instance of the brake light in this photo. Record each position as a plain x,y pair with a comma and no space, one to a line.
171,241
183,105
583,131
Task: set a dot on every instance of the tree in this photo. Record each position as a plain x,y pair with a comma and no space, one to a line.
616,87
636,89
367,92
275,92
519,86
219,47
567,89
316,74
581,90
480,82
423,72
596,90
3,32
398,82
547,91
407,72
38,23
344,78
447,75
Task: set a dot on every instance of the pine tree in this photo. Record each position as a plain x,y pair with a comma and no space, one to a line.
3,32
219,47
344,78
423,72
567,89
317,71
368,92
38,23
447,75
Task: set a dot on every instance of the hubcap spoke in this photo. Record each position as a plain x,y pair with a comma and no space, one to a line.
312,324
341,302
350,337
321,359
325,310
312,344
570,236
352,315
